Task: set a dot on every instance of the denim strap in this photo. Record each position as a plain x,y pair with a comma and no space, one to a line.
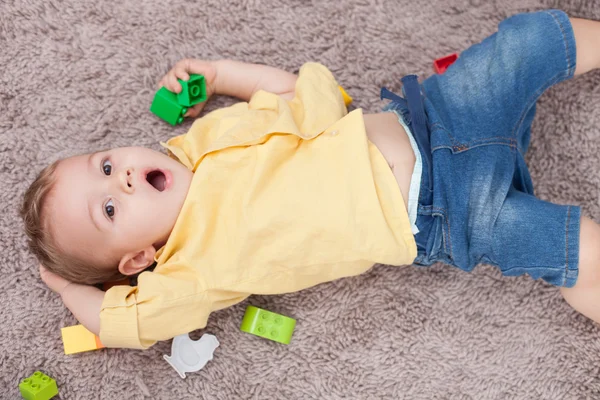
389,95
412,91
414,110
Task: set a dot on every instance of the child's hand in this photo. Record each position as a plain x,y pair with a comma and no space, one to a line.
182,70
54,282
84,301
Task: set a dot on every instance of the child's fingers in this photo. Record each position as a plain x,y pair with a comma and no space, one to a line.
195,110
53,281
172,83
169,81
46,275
201,67
181,70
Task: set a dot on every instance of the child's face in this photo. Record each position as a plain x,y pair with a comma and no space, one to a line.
107,204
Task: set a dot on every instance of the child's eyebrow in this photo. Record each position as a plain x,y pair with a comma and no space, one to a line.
91,167
91,161
91,214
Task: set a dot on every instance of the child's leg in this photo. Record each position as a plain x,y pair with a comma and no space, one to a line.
587,38
480,112
585,295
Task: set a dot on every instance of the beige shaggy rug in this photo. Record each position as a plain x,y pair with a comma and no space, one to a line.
79,76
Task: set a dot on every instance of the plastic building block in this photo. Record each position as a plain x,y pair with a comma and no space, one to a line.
345,96
268,325
188,355
165,106
38,386
193,91
441,64
77,339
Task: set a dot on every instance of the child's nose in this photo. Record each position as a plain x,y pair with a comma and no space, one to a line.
126,180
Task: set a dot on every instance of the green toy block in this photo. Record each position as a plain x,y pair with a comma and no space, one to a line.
165,106
268,325
38,386
193,91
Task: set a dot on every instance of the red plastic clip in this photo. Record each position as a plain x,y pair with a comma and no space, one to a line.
441,64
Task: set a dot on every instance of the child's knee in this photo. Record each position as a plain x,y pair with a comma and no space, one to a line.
587,38
541,40
585,295
589,255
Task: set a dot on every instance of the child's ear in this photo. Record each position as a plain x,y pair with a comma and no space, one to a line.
137,261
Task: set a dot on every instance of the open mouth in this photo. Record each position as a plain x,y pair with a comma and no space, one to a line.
157,179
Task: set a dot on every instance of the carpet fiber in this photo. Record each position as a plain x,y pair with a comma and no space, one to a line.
79,75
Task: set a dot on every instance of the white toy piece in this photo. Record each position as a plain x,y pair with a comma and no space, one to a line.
188,355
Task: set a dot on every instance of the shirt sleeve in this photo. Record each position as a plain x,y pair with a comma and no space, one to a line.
317,104
159,308
318,101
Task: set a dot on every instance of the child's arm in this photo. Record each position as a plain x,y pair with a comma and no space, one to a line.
85,302
242,80
231,78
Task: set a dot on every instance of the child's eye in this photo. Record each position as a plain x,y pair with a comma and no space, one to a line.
109,209
106,167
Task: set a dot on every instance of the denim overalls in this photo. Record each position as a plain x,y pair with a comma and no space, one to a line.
472,125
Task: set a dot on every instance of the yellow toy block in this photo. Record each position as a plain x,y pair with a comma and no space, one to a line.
78,339
346,96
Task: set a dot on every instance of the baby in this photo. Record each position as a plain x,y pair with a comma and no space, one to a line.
287,189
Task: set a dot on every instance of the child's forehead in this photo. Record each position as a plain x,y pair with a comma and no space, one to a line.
134,151
70,173
72,163
69,192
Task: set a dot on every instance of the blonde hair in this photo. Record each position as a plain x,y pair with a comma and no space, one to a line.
42,244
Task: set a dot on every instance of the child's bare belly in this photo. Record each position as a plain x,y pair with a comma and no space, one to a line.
385,132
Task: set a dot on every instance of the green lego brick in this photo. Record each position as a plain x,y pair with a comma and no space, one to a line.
38,386
165,106
193,91
268,325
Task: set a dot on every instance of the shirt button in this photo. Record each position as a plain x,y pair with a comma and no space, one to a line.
333,133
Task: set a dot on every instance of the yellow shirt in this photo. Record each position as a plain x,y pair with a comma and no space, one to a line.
285,195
